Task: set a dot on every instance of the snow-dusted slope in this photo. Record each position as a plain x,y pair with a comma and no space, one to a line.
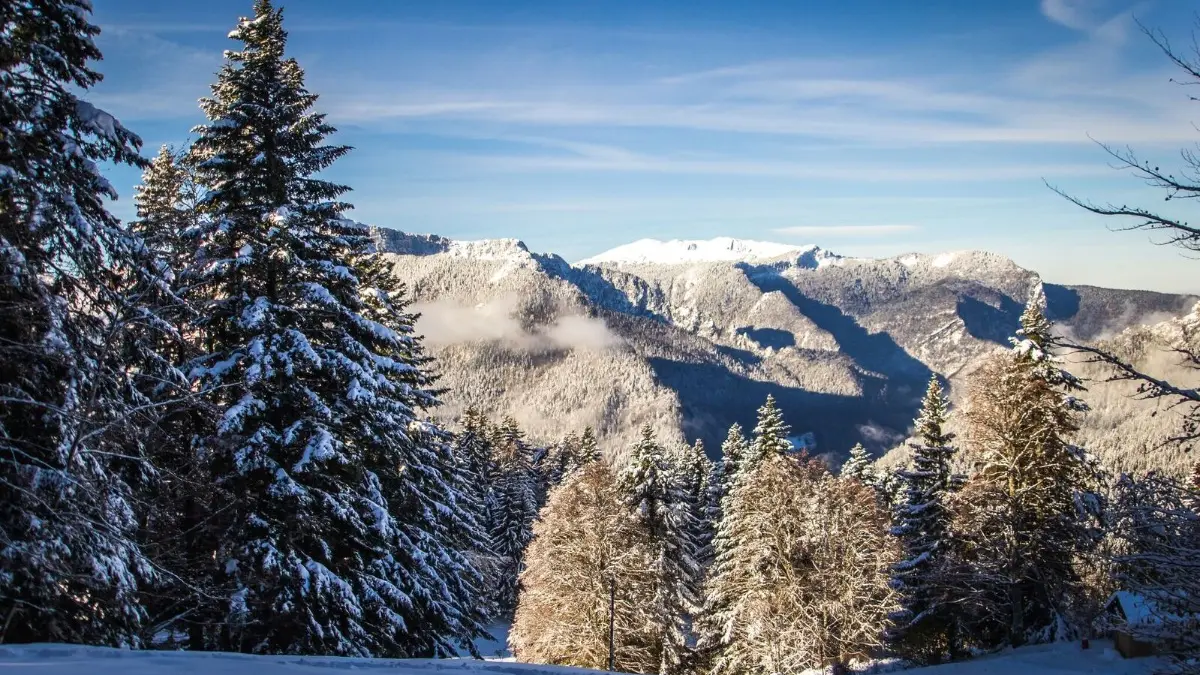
690,336
679,251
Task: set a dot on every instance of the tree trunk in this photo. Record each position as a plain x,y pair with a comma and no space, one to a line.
1016,629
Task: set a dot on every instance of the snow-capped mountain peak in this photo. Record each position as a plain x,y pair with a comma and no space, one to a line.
680,251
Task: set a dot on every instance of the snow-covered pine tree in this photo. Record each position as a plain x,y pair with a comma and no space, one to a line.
662,507
699,486
337,536
770,437
733,453
167,207
1030,510
564,459
729,531
473,451
858,466
925,628
178,604
587,542
72,427
434,501
589,448
515,506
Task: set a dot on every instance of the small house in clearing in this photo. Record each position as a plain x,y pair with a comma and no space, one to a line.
1130,616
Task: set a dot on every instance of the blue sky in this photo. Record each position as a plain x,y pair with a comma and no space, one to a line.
868,127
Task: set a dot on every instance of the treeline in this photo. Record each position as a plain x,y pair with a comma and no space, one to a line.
508,480
769,563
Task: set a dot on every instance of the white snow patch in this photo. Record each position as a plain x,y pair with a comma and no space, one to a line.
489,249
675,251
54,659
1063,658
944,259
1060,658
910,260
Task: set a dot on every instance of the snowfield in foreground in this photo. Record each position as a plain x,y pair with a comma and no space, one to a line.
75,660
1064,658
1057,659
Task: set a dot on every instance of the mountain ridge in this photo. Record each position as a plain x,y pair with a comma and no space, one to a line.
689,348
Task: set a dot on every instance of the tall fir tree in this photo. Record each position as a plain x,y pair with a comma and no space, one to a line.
71,419
167,206
740,460
435,506
515,506
589,448
698,483
925,628
658,497
167,214
337,538
1030,510
733,453
770,437
478,473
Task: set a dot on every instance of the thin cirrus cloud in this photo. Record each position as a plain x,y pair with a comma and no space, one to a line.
1074,14
844,231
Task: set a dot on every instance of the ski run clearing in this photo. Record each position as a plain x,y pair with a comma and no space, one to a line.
1056,659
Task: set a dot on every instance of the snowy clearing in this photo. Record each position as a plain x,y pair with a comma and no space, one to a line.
48,659
1064,658
1057,659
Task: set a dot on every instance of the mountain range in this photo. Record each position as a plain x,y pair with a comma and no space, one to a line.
689,337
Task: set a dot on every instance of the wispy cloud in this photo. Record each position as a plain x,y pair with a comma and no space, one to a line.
590,157
848,231
1074,14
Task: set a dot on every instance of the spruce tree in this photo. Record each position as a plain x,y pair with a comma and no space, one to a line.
740,460
925,628
515,506
733,452
71,445
589,449
478,474
662,507
166,215
770,437
1032,505
564,459
698,483
435,506
858,466
338,535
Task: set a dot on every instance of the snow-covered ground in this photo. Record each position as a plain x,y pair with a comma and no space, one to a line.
73,660
497,647
1064,658
1057,659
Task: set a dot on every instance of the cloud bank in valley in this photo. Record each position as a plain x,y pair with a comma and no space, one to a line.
446,323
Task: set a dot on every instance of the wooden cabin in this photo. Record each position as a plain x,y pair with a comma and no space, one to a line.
1125,613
